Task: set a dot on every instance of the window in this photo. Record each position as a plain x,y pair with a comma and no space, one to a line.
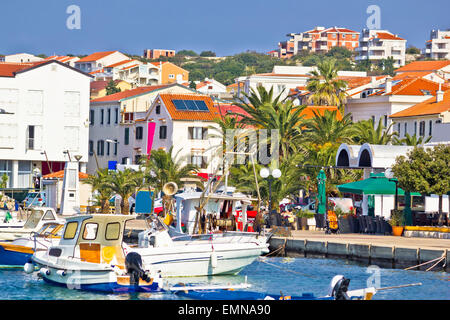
71,138
102,113
91,147
92,117
137,159
139,133
90,231
112,231
415,127
108,117
406,128
107,148
422,128
116,115
354,36
158,109
199,161
197,133
71,230
48,215
127,136
72,104
163,132
25,175
171,76
398,128
373,121
385,121
430,128
100,147
33,137
115,147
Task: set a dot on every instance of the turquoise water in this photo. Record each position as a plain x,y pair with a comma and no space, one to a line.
291,276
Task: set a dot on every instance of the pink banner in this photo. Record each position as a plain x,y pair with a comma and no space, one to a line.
150,134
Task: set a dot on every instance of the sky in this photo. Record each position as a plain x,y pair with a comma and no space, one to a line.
225,27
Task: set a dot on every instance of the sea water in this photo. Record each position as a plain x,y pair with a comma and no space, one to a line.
290,276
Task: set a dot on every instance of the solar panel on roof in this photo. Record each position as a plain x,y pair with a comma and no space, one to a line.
190,104
201,105
179,104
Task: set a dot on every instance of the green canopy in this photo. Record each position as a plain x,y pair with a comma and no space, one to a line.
376,184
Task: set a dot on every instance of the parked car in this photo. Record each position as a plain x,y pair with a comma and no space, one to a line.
35,199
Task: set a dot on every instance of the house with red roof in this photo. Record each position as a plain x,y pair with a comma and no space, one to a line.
375,45
98,60
440,68
391,97
44,112
430,118
115,124
70,60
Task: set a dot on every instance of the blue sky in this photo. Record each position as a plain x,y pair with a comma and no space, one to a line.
226,27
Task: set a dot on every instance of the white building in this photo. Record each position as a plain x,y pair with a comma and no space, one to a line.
70,60
98,60
20,58
211,87
375,45
438,46
44,112
115,119
389,98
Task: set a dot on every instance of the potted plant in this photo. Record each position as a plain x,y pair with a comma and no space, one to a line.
397,222
302,219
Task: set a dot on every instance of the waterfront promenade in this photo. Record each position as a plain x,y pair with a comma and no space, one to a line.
385,251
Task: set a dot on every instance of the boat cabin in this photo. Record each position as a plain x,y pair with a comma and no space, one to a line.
222,212
93,238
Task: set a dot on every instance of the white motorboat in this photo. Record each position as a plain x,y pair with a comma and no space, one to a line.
200,255
17,229
90,256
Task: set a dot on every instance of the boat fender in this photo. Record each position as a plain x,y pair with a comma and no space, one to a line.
61,273
28,267
213,259
44,272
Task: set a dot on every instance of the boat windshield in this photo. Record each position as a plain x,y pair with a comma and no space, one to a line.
53,229
33,219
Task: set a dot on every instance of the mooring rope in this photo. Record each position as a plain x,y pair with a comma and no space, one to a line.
422,264
285,269
278,249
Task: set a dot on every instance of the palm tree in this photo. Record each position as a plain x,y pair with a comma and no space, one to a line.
325,87
411,140
124,183
162,167
99,184
365,132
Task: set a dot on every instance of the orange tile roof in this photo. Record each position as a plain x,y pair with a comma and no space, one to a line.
414,87
120,63
9,69
96,56
412,74
308,112
387,36
167,99
234,85
60,175
424,66
132,66
128,93
355,82
427,107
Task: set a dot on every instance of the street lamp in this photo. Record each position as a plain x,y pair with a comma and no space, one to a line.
266,174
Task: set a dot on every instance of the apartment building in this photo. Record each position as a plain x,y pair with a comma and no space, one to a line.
430,118
375,45
171,73
98,60
133,71
44,119
157,53
114,133
322,39
438,46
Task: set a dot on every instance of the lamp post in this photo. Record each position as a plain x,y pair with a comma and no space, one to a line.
270,176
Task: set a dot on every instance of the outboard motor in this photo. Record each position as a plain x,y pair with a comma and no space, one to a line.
338,288
133,264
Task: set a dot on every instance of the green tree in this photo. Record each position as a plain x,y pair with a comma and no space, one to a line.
111,88
207,54
99,183
124,183
425,170
325,87
192,85
411,140
412,50
365,132
189,53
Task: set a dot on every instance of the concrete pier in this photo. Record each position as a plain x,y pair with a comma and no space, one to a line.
384,251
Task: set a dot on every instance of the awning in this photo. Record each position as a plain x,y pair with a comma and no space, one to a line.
376,184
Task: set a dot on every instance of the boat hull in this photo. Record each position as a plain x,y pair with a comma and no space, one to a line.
191,260
12,256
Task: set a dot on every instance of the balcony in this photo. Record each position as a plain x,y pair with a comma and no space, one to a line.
361,48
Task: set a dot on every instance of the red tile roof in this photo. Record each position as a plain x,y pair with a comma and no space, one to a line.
387,36
424,66
96,56
128,93
225,109
9,69
355,82
414,87
427,107
120,63
210,115
60,175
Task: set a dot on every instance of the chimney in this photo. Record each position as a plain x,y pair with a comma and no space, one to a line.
388,85
373,79
439,94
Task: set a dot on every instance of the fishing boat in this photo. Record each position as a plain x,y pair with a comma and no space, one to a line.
14,254
91,256
38,217
201,255
338,290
